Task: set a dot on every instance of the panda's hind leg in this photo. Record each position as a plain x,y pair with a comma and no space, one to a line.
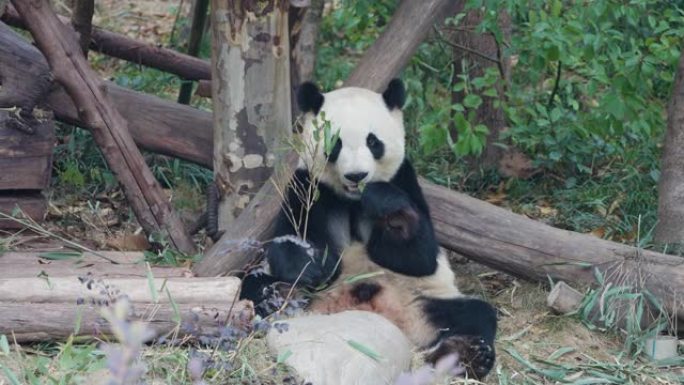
467,327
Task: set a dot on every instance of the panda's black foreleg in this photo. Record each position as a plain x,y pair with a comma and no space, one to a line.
402,238
467,327
294,260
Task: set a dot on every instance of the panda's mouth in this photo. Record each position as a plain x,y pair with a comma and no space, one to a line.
352,189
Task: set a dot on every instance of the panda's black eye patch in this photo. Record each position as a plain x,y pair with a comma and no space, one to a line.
375,145
335,153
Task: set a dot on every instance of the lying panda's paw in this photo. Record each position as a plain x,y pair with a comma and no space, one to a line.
474,353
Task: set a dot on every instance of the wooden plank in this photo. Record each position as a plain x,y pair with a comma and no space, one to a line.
138,290
26,264
30,322
32,203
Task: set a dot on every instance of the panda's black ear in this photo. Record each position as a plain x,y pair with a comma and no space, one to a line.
395,94
309,98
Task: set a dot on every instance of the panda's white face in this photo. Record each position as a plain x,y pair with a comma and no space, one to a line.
371,139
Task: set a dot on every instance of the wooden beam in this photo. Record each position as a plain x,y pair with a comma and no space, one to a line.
110,130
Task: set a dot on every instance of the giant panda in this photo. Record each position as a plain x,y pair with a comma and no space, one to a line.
368,241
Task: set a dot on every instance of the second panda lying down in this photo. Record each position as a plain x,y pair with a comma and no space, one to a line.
368,237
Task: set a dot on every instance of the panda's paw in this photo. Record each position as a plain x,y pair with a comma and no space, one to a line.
474,353
391,208
294,260
380,199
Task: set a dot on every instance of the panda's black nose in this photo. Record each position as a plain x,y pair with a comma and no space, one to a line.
355,177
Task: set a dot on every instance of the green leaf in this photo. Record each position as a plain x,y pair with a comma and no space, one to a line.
11,376
553,53
560,352
61,255
4,345
359,277
458,87
481,129
365,350
472,101
283,356
490,92
462,125
150,284
614,105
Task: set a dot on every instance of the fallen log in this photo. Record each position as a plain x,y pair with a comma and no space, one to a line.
526,248
25,83
110,130
122,47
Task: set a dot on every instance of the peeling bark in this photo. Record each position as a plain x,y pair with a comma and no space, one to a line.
251,95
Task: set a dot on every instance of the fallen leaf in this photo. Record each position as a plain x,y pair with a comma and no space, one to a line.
128,242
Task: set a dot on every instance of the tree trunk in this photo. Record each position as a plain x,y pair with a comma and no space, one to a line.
410,25
59,44
670,227
478,52
251,97
304,26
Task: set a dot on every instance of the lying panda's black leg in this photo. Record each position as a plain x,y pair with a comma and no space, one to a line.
467,326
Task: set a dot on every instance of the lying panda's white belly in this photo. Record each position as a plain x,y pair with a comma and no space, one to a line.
397,298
